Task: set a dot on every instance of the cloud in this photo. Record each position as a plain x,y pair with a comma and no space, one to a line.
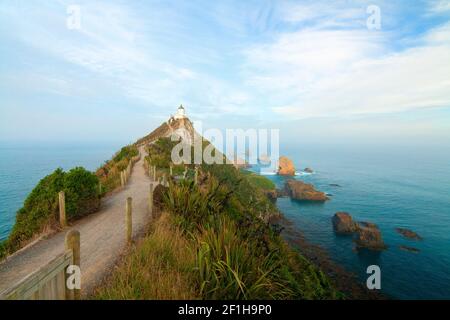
439,6
325,73
263,60
123,52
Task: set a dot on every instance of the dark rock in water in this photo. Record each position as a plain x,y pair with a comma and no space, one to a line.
408,233
409,249
369,236
281,193
334,185
308,170
343,223
299,190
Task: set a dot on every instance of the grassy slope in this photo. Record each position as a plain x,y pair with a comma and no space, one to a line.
258,181
159,267
109,173
232,252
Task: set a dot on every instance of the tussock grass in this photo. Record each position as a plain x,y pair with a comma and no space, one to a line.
215,243
229,268
159,267
109,173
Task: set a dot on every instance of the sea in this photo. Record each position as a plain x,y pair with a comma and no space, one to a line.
391,186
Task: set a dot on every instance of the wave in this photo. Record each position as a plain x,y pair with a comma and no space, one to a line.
266,173
297,173
303,173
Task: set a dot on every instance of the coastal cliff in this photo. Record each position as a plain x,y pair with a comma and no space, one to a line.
224,215
221,213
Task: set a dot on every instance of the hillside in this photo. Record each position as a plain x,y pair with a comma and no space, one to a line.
181,127
213,237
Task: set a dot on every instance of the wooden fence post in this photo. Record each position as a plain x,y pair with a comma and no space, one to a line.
196,175
164,180
154,173
62,209
72,242
150,199
128,219
122,179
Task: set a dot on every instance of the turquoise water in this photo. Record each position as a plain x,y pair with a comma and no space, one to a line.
392,187
23,165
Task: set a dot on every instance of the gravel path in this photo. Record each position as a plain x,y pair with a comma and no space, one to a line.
102,234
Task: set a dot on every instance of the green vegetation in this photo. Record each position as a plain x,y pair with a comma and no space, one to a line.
109,173
159,155
159,267
81,187
258,181
40,210
233,252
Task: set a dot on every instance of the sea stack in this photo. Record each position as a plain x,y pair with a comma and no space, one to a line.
343,223
286,167
300,190
369,236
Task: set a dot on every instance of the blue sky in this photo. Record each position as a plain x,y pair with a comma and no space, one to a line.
311,68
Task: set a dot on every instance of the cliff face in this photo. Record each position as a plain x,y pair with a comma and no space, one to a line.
181,127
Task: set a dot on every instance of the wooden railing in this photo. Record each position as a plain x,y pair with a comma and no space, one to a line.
126,174
50,281
161,176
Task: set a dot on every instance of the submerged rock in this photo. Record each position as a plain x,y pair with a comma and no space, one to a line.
264,159
308,170
408,233
366,234
343,223
369,236
409,249
299,190
334,185
286,167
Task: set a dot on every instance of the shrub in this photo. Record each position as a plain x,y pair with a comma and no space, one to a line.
81,191
159,152
40,209
126,152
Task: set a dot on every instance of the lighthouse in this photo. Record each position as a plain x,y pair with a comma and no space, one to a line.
181,113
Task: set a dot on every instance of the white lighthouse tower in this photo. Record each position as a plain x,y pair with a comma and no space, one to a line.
181,113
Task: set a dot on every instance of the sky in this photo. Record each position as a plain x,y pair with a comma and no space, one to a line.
342,71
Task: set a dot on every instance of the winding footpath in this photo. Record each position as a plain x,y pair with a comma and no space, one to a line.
102,234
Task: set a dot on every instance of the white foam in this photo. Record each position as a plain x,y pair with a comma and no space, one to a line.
303,173
266,173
